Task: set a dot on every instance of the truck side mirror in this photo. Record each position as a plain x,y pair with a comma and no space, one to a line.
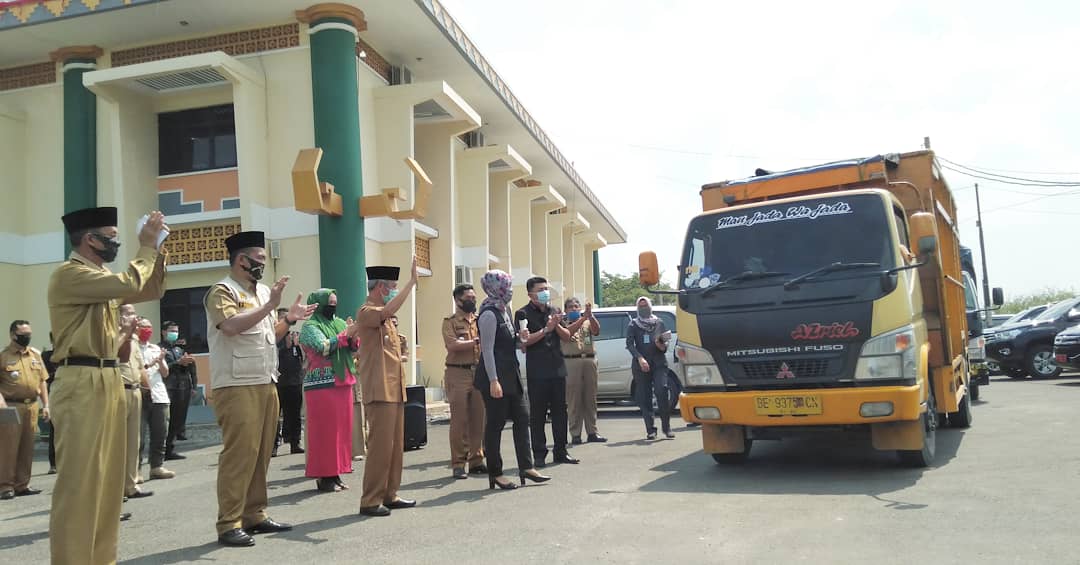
927,245
998,296
648,269
923,232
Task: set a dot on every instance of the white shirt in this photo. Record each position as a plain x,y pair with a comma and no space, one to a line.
158,393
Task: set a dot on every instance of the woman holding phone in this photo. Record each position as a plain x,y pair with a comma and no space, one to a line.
647,341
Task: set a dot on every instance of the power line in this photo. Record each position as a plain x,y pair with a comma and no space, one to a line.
969,171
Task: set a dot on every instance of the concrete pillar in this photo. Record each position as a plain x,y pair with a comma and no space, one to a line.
80,129
528,203
591,249
573,267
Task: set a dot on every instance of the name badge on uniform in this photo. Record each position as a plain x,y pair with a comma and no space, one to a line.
588,339
14,374
646,338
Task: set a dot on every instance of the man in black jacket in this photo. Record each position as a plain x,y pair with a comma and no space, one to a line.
180,383
290,388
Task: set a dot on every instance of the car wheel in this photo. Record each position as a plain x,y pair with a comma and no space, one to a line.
1040,362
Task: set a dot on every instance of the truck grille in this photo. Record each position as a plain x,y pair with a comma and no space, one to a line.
800,368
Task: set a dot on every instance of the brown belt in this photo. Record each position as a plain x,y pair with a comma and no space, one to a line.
21,400
583,356
456,366
89,362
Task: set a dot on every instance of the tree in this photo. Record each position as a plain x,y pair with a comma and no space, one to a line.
620,290
1037,298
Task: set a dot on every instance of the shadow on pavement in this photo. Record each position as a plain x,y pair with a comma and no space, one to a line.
11,542
282,483
1071,383
44,512
829,465
182,555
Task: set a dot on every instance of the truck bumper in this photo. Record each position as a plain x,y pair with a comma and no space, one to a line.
838,406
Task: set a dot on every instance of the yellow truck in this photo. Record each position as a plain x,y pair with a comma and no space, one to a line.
828,297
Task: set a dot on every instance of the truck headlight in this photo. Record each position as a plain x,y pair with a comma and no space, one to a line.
889,356
698,366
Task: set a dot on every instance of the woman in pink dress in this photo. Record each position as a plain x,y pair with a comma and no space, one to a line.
329,343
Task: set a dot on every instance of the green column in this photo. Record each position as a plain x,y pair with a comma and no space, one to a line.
80,140
597,288
337,132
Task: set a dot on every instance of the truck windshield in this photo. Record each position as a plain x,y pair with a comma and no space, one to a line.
795,238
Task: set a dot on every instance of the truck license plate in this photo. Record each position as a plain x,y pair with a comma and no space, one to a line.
787,405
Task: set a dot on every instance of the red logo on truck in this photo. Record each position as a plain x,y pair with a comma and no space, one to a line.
785,372
835,330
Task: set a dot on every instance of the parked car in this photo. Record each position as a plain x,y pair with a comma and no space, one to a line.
616,382
1067,349
1006,319
1027,347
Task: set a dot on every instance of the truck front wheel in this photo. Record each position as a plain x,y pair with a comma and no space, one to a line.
733,458
925,456
962,417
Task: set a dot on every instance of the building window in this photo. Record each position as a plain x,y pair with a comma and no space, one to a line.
185,307
202,139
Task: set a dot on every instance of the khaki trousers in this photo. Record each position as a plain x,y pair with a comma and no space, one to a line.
17,447
466,418
248,416
133,428
88,412
581,378
385,450
359,431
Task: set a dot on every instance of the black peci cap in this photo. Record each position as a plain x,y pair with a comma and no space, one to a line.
383,273
244,240
89,218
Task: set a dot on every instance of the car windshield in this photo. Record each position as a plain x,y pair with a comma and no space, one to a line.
793,238
1057,310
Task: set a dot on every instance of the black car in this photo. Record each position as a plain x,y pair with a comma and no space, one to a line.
1027,348
1067,349
1007,319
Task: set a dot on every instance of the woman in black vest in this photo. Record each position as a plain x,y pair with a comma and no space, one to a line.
501,387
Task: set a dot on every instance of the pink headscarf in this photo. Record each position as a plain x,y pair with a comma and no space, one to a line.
499,287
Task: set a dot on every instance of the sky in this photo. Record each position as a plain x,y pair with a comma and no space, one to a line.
652,99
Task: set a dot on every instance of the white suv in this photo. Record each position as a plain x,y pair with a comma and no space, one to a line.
616,382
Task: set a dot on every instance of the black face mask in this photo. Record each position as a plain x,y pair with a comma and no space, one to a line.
468,306
22,340
254,268
329,311
112,247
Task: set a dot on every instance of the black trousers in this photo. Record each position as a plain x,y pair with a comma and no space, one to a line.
155,417
498,410
548,395
179,400
292,400
648,385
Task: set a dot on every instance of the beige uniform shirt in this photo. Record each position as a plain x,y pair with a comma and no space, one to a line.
131,369
457,328
580,343
382,376
21,374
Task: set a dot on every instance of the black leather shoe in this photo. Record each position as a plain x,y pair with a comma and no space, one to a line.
125,516
459,473
400,503
140,494
576,440
7,495
538,461
378,511
569,459
27,492
173,456
596,438
295,448
480,469
236,538
268,526
274,452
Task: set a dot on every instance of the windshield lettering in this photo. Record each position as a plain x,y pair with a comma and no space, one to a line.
793,213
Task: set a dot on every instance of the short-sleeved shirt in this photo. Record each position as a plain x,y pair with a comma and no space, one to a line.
382,376
543,359
581,343
461,327
21,373
131,368
158,393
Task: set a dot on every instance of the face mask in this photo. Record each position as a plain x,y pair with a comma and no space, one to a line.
254,268
544,296
171,337
468,306
112,247
644,311
390,295
145,334
573,316
329,311
22,340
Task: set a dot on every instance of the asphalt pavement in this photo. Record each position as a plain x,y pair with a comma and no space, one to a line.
1003,491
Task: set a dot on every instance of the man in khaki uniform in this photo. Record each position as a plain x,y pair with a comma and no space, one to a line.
22,382
581,372
462,340
243,331
88,408
133,374
382,378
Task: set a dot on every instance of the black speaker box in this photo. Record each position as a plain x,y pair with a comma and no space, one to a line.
415,417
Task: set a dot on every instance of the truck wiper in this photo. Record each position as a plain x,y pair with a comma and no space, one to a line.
743,276
830,268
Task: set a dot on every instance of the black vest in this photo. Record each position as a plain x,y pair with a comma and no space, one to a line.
506,361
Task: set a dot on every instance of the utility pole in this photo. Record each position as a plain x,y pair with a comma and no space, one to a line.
982,252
